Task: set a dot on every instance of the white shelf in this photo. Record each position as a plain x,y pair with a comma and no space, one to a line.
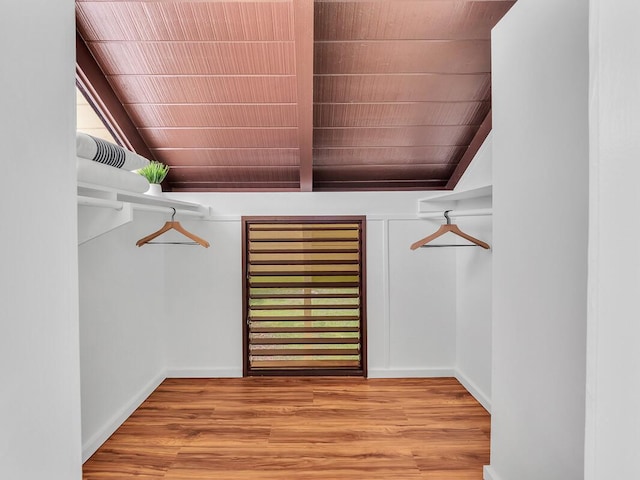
432,207
453,196
107,193
478,212
109,209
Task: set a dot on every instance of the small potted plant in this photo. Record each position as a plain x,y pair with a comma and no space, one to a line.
155,172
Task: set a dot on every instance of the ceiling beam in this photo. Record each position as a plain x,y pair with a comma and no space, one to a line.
101,96
474,146
381,1
303,28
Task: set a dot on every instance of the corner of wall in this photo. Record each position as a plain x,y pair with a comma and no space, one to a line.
90,446
477,393
490,474
473,285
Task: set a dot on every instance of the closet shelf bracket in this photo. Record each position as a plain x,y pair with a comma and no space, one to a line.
477,212
97,221
432,207
115,208
454,196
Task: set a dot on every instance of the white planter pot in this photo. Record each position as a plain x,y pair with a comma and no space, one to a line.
154,189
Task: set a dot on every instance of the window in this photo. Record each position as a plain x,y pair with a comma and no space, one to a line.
304,295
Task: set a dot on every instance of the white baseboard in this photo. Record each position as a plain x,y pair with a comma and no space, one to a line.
410,372
231,372
473,389
91,445
489,473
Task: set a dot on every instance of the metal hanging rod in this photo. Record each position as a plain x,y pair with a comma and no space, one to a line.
457,213
118,205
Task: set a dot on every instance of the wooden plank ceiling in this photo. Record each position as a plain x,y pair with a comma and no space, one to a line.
286,95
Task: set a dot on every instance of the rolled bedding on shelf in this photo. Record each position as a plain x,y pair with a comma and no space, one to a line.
106,176
101,151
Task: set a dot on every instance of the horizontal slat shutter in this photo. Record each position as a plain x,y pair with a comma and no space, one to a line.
303,295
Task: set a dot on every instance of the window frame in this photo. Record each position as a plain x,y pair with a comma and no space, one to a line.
246,221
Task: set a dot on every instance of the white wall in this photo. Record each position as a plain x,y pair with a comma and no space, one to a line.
411,295
156,311
474,284
195,329
479,173
122,325
39,366
613,369
422,299
473,308
204,310
540,171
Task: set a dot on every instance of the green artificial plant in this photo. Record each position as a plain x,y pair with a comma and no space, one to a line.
154,172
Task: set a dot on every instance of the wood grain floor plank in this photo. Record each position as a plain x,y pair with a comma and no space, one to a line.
267,428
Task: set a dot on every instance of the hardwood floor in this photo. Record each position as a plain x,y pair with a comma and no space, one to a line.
300,428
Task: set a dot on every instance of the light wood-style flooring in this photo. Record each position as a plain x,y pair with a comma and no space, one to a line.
300,428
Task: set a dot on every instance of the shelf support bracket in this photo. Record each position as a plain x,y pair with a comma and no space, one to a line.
93,222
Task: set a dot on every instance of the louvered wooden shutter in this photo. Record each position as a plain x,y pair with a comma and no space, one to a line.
304,295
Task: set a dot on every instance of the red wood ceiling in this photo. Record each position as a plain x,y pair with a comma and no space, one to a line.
294,94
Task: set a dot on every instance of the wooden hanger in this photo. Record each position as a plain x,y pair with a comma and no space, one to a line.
173,225
448,227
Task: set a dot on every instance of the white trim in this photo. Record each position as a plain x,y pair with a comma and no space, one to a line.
224,218
411,372
370,217
474,390
196,372
90,446
386,279
470,386
391,216
489,473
